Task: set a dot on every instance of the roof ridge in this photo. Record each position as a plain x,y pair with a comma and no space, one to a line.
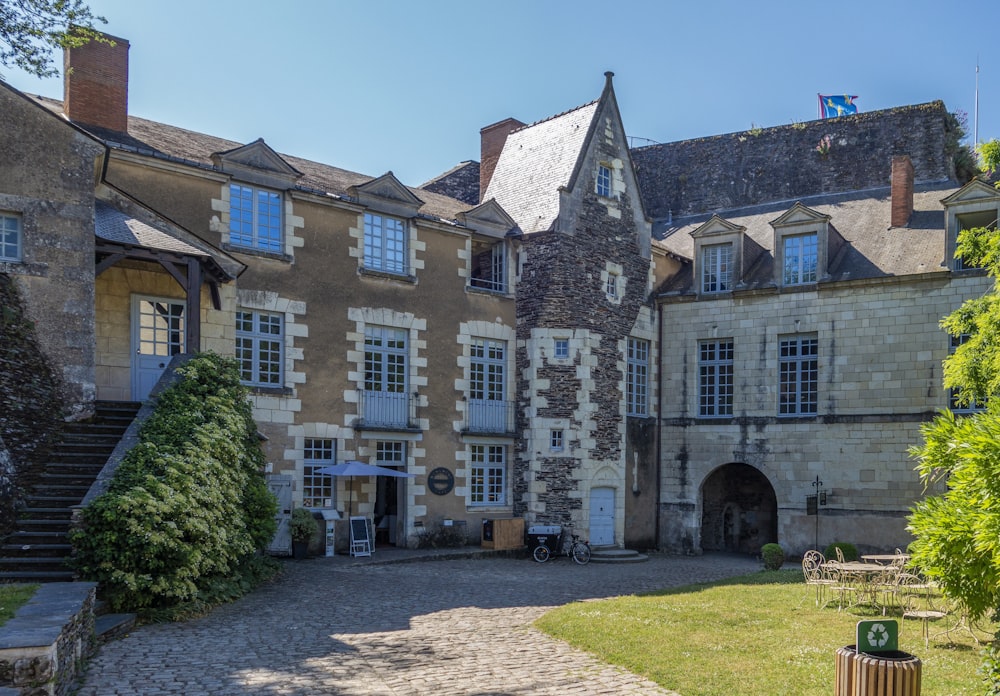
555,116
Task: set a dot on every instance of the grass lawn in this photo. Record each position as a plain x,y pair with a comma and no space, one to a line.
756,635
12,597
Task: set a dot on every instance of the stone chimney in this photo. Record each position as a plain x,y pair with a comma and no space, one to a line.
902,191
492,139
95,84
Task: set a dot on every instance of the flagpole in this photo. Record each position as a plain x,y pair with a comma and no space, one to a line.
975,121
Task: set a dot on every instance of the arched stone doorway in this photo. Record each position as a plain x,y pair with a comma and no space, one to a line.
739,510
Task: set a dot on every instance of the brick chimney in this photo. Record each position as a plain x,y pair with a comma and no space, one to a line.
492,139
902,191
95,84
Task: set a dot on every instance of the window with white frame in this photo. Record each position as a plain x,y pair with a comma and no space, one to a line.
968,221
715,378
317,489
255,218
556,441
385,397
800,259
716,268
603,186
385,244
488,407
798,375
637,378
391,453
260,348
561,350
953,402
10,237
489,267
488,474
611,288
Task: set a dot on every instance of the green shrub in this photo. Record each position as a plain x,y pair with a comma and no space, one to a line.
850,551
773,555
188,505
303,525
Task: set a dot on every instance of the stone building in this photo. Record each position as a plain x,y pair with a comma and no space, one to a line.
665,347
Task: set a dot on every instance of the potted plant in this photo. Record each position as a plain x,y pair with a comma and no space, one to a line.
302,527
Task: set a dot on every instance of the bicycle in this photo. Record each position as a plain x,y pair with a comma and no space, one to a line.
574,547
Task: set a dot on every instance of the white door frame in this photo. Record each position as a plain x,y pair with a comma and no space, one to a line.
155,339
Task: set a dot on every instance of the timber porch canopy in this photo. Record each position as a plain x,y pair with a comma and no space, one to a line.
120,236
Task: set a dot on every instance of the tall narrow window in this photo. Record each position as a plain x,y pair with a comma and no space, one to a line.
611,288
317,489
488,407
715,378
488,475
603,187
10,237
798,376
716,269
259,348
637,378
385,244
255,218
801,260
385,397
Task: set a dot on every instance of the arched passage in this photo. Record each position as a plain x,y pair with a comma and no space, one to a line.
739,510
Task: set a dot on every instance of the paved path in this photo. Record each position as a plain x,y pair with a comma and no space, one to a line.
329,626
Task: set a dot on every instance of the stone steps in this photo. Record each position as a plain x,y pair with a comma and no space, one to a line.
614,554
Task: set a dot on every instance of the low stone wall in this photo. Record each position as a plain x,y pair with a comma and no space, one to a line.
44,647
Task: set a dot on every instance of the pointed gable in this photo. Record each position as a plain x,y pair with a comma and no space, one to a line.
387,194
257,163
489,219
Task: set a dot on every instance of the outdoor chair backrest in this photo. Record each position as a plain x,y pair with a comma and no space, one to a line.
840,554
811,565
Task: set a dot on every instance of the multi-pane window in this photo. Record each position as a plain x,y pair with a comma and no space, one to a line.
10,238
603,181
798,375
556,441
385,244
317,489
385,391
488,474
391,453
801,259
611,288
255,218
488,407
637,378
716,268
562,348
715,378
953,403
259,348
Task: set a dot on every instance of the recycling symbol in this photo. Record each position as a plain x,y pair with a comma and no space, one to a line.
878,636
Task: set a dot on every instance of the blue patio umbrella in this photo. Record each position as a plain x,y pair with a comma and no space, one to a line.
354,468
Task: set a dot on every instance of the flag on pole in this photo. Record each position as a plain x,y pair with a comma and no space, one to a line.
833,105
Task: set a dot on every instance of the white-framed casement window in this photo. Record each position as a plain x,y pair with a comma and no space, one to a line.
953,403
556,440
488,474
611,287
798,375
385,244
391,453
385,400
715,378
716,268
488,406
317,489
637,378
260,348
489,267
10,237
603,186
801,258
255,219
561,348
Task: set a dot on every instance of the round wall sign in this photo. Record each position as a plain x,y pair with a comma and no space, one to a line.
441,481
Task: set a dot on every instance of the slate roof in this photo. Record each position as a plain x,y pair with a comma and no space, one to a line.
189,147
537,160
872,248
115,226
461,182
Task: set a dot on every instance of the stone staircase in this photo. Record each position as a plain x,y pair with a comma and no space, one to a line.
38,548
613,554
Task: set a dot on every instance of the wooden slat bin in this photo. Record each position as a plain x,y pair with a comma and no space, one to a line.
872,675
506,534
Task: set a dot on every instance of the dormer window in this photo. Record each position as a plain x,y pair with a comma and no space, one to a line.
716,268
804,243
977,204
800,259
255,218
603,187
385,244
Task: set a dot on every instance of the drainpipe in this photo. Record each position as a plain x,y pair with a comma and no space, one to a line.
659,429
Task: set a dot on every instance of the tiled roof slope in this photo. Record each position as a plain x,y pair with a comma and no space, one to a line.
872,249
754,167
536,161
115,226
162,140
460,182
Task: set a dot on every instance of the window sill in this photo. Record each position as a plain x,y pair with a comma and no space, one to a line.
492,508
399,277
269,391
248,251
488,291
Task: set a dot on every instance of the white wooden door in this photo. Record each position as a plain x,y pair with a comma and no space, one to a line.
602,516
157,335
281,486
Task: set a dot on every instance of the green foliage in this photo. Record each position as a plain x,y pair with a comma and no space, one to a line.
31,29
963,156
303,525
188,504
989,155
773,556
12,598
850,551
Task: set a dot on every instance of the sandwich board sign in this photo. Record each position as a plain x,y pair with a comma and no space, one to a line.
878,636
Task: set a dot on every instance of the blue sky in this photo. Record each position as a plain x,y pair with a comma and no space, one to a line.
378,85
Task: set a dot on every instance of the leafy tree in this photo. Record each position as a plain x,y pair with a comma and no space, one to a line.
989,153
31,29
